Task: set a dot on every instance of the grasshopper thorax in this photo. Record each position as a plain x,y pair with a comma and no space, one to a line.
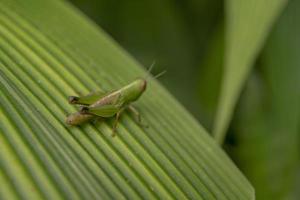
134,90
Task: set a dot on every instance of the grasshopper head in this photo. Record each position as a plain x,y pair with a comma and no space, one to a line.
134,90
140,85
143,84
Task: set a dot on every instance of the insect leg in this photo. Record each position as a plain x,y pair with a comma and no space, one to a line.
137,114
116,122
87,99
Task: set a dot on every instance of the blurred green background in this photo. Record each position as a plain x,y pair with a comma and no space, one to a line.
186,38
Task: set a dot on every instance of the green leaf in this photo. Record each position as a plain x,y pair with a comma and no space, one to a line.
267,121
247,26
49,51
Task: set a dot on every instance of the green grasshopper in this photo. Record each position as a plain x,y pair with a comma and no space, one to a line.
107,105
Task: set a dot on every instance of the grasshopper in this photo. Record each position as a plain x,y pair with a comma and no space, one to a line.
107,105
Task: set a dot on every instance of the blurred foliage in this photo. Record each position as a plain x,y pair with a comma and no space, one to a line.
248,24
267,119
264,134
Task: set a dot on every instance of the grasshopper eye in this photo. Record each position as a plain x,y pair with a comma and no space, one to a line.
73,99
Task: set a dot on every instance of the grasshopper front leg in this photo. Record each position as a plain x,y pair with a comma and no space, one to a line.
138,115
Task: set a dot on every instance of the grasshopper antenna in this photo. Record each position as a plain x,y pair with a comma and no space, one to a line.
160,74
150,69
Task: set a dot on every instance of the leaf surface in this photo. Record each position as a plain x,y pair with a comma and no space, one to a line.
49,51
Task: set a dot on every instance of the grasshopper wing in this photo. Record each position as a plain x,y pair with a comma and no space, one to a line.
101,111
88,99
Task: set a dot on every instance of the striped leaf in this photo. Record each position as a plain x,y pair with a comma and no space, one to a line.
48,51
